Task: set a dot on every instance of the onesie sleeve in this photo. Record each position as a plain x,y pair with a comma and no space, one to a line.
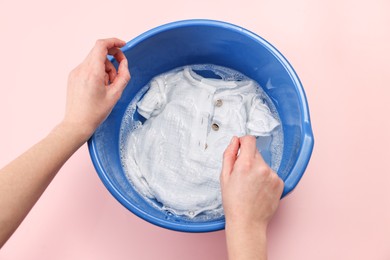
260,120
154,100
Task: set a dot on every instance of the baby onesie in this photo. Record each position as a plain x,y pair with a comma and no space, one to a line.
175,157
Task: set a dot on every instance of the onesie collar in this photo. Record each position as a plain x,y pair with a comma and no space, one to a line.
213,83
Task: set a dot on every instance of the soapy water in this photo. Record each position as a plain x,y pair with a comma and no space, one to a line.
271,147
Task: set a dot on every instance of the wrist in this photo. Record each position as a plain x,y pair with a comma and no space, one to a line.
242,226
246,241
76,132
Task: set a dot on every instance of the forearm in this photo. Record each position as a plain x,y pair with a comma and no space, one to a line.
24,180
246,242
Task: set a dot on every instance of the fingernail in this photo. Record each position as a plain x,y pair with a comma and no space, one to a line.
233,138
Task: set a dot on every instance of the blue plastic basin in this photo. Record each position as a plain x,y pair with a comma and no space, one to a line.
204,42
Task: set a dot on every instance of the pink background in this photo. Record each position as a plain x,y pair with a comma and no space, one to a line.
340,50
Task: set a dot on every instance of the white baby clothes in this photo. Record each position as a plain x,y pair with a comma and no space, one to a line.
175,157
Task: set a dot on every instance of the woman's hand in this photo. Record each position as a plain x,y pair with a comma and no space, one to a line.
95,86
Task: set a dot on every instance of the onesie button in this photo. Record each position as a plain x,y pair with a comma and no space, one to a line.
215,127
218,103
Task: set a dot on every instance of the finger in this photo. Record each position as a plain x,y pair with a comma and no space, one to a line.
280,185
277,184
110,70
122,77
106,79
230,157
109,43
259,157
248,147
117,53
100,50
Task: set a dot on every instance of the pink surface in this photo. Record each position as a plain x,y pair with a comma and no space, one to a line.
340,50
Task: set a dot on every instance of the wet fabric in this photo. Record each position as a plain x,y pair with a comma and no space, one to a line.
175,157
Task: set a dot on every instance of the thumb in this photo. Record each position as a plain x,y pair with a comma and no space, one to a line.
122,77
229,157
